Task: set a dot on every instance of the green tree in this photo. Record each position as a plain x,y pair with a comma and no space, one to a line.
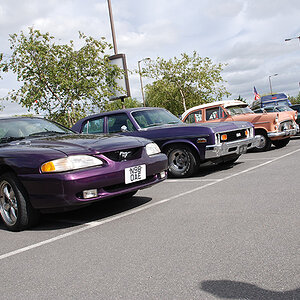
240,98
63,83
117,104
295,100
181,83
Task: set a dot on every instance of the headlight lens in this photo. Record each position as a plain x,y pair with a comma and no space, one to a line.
152,149
70,163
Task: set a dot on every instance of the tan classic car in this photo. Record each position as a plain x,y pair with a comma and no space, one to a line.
272,128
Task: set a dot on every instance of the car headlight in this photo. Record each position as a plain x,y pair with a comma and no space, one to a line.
69,163
152,149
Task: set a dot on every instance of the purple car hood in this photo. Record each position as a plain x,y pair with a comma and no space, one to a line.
213,126
83,143
224,126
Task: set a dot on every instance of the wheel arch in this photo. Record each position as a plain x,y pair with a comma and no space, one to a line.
260,130
186,143
7,169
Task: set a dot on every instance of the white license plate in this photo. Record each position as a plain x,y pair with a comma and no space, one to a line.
134,174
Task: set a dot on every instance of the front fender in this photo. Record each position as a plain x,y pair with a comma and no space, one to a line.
200,151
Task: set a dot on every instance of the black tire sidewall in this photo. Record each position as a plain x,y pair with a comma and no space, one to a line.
281,143
26,214
191,164
268,142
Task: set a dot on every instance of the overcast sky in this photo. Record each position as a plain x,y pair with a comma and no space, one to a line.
248,35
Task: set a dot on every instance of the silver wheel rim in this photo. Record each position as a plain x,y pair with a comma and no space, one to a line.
8,204
262,141
179,161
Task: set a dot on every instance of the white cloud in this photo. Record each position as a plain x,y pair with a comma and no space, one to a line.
247,34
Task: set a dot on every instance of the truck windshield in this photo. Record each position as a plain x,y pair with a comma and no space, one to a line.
238,110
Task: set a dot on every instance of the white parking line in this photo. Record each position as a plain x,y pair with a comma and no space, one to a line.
191,180
266,158
136,210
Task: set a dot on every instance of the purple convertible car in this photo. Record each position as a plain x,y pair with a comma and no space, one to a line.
47,167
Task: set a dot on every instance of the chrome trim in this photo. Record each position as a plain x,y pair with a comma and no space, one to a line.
258,123
235,147
287,132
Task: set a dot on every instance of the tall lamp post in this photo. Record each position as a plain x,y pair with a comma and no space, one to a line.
270,82
112,26
293,38
141,81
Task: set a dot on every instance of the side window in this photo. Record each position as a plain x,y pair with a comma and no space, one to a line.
194,117
222,113
94,126
215,113
115,122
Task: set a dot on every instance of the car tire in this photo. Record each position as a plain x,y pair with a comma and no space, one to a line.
265,142
281,143
16,211
181,161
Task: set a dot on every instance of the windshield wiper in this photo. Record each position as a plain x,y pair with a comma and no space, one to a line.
10,139
45,133
173,122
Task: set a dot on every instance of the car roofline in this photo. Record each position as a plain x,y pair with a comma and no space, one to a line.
124,110
225,103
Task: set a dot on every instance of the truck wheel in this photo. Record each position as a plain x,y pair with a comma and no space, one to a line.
265,142
281,143
181,161
16,211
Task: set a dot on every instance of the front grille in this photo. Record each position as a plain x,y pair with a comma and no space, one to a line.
233,135
286,125
124,155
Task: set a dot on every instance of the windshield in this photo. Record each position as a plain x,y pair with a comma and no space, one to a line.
283,108
20,128
238,110
154,117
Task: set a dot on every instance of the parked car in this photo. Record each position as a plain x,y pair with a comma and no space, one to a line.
273,109
274,99
186,146
271,128
46,167
296,107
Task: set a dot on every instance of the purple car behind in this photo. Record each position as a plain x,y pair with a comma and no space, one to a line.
186,145
46,167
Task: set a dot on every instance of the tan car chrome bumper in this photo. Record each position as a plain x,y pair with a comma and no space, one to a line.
287,132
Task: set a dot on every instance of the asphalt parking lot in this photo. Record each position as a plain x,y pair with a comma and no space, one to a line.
226,233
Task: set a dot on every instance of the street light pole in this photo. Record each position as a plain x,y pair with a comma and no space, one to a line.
270,82
141,81
112,27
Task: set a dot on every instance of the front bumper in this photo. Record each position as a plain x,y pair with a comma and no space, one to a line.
284,133
235,147
62,191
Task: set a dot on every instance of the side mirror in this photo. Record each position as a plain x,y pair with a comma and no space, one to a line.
124,128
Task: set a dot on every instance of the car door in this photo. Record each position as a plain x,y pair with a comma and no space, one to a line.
119,123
